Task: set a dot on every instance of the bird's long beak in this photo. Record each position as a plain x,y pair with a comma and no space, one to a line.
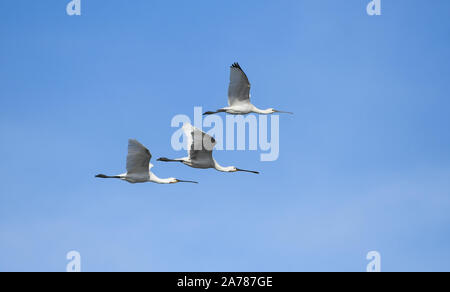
186,181
251,171
283,112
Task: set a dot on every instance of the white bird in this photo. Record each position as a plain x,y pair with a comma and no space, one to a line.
200,152
239,96
139,166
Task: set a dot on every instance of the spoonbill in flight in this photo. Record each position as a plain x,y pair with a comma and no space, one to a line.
239,96
200,152
138,167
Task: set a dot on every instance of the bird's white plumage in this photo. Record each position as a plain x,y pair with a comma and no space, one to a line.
139,166
239,96
239,87
200,151
138,158
200,145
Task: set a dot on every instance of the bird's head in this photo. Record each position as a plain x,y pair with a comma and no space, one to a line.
274,111
173,180
235,169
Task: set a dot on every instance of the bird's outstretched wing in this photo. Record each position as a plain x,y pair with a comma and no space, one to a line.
200,145
239,88
138,159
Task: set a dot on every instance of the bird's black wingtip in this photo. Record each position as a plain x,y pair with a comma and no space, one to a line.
236,65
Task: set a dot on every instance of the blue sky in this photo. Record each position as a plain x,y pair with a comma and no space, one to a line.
364,163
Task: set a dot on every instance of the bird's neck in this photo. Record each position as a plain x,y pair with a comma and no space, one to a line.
155,179
262,112
222,168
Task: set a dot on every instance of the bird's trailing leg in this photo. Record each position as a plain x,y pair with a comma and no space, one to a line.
106,176
213,113
164,159
209,113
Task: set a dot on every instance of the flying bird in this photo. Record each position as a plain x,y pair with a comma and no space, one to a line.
239,96
139,166
200,152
